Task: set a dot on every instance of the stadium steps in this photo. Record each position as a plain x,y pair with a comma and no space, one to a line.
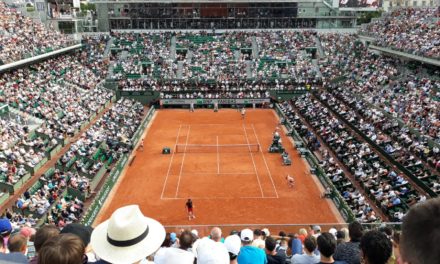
173,48
108,47
254,48
248,69
179,69
316,65
10,202
319,47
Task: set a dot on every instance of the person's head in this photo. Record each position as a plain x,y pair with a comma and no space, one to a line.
326,245
167,241
64,248
43,234
82,231
216,234
355,231
233,244
421,233
247,236
127,237
186,240
5,227
346,234
282,234
257,233
310,244
284,243
270,245
28,232
375,247
302,232
17,243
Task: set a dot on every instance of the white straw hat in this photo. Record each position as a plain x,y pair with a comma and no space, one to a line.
127,237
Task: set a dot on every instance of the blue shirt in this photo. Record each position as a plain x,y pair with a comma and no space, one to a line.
251,255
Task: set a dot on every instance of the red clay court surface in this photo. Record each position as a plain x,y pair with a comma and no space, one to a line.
227,185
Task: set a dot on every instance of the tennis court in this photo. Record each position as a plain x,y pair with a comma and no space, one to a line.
222,162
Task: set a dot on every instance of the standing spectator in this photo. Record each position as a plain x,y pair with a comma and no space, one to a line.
43,234
248,253
350,251
216,234
64,248
233,245
271,254
308,257
127,237
17,249
375,248
327,246
421,233
258,239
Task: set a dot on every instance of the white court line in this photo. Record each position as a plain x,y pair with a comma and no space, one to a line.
218,158
253,161
265,162
215,173
171,162
218,198
183,161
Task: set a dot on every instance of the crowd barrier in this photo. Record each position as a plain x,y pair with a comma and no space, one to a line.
95,207
316,169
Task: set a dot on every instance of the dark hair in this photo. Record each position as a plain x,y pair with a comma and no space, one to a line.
43,234
355,231
17,242
421,233
270,244
310,243
167,241
376,247
64,248
340,234
326,244
282,234
186,240
257,232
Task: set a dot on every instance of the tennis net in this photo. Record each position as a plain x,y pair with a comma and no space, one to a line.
230,148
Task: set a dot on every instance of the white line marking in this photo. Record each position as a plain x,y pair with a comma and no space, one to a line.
253,161
215,173
218,158
218,197
265,162
183,161
171,161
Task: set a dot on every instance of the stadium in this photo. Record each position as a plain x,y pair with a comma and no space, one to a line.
137,131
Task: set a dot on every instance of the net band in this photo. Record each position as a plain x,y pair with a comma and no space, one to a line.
232,148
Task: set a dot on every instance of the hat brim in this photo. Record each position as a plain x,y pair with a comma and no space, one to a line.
131,254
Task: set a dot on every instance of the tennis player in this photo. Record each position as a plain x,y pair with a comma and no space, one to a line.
243,113
189,207
290,181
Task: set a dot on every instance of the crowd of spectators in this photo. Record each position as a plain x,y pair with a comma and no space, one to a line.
225,64
412,30
130,237
22,37
386,187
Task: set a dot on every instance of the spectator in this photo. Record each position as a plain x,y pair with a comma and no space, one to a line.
421,233
211,252
258,239
271,254
173,255
216,234
376,248
5,231
248,253
17,248
127,237
309,256
327,246
350,251
64,248
233,244
42,235
84,233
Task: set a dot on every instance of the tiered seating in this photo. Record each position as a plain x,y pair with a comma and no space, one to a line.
392,192
22,37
